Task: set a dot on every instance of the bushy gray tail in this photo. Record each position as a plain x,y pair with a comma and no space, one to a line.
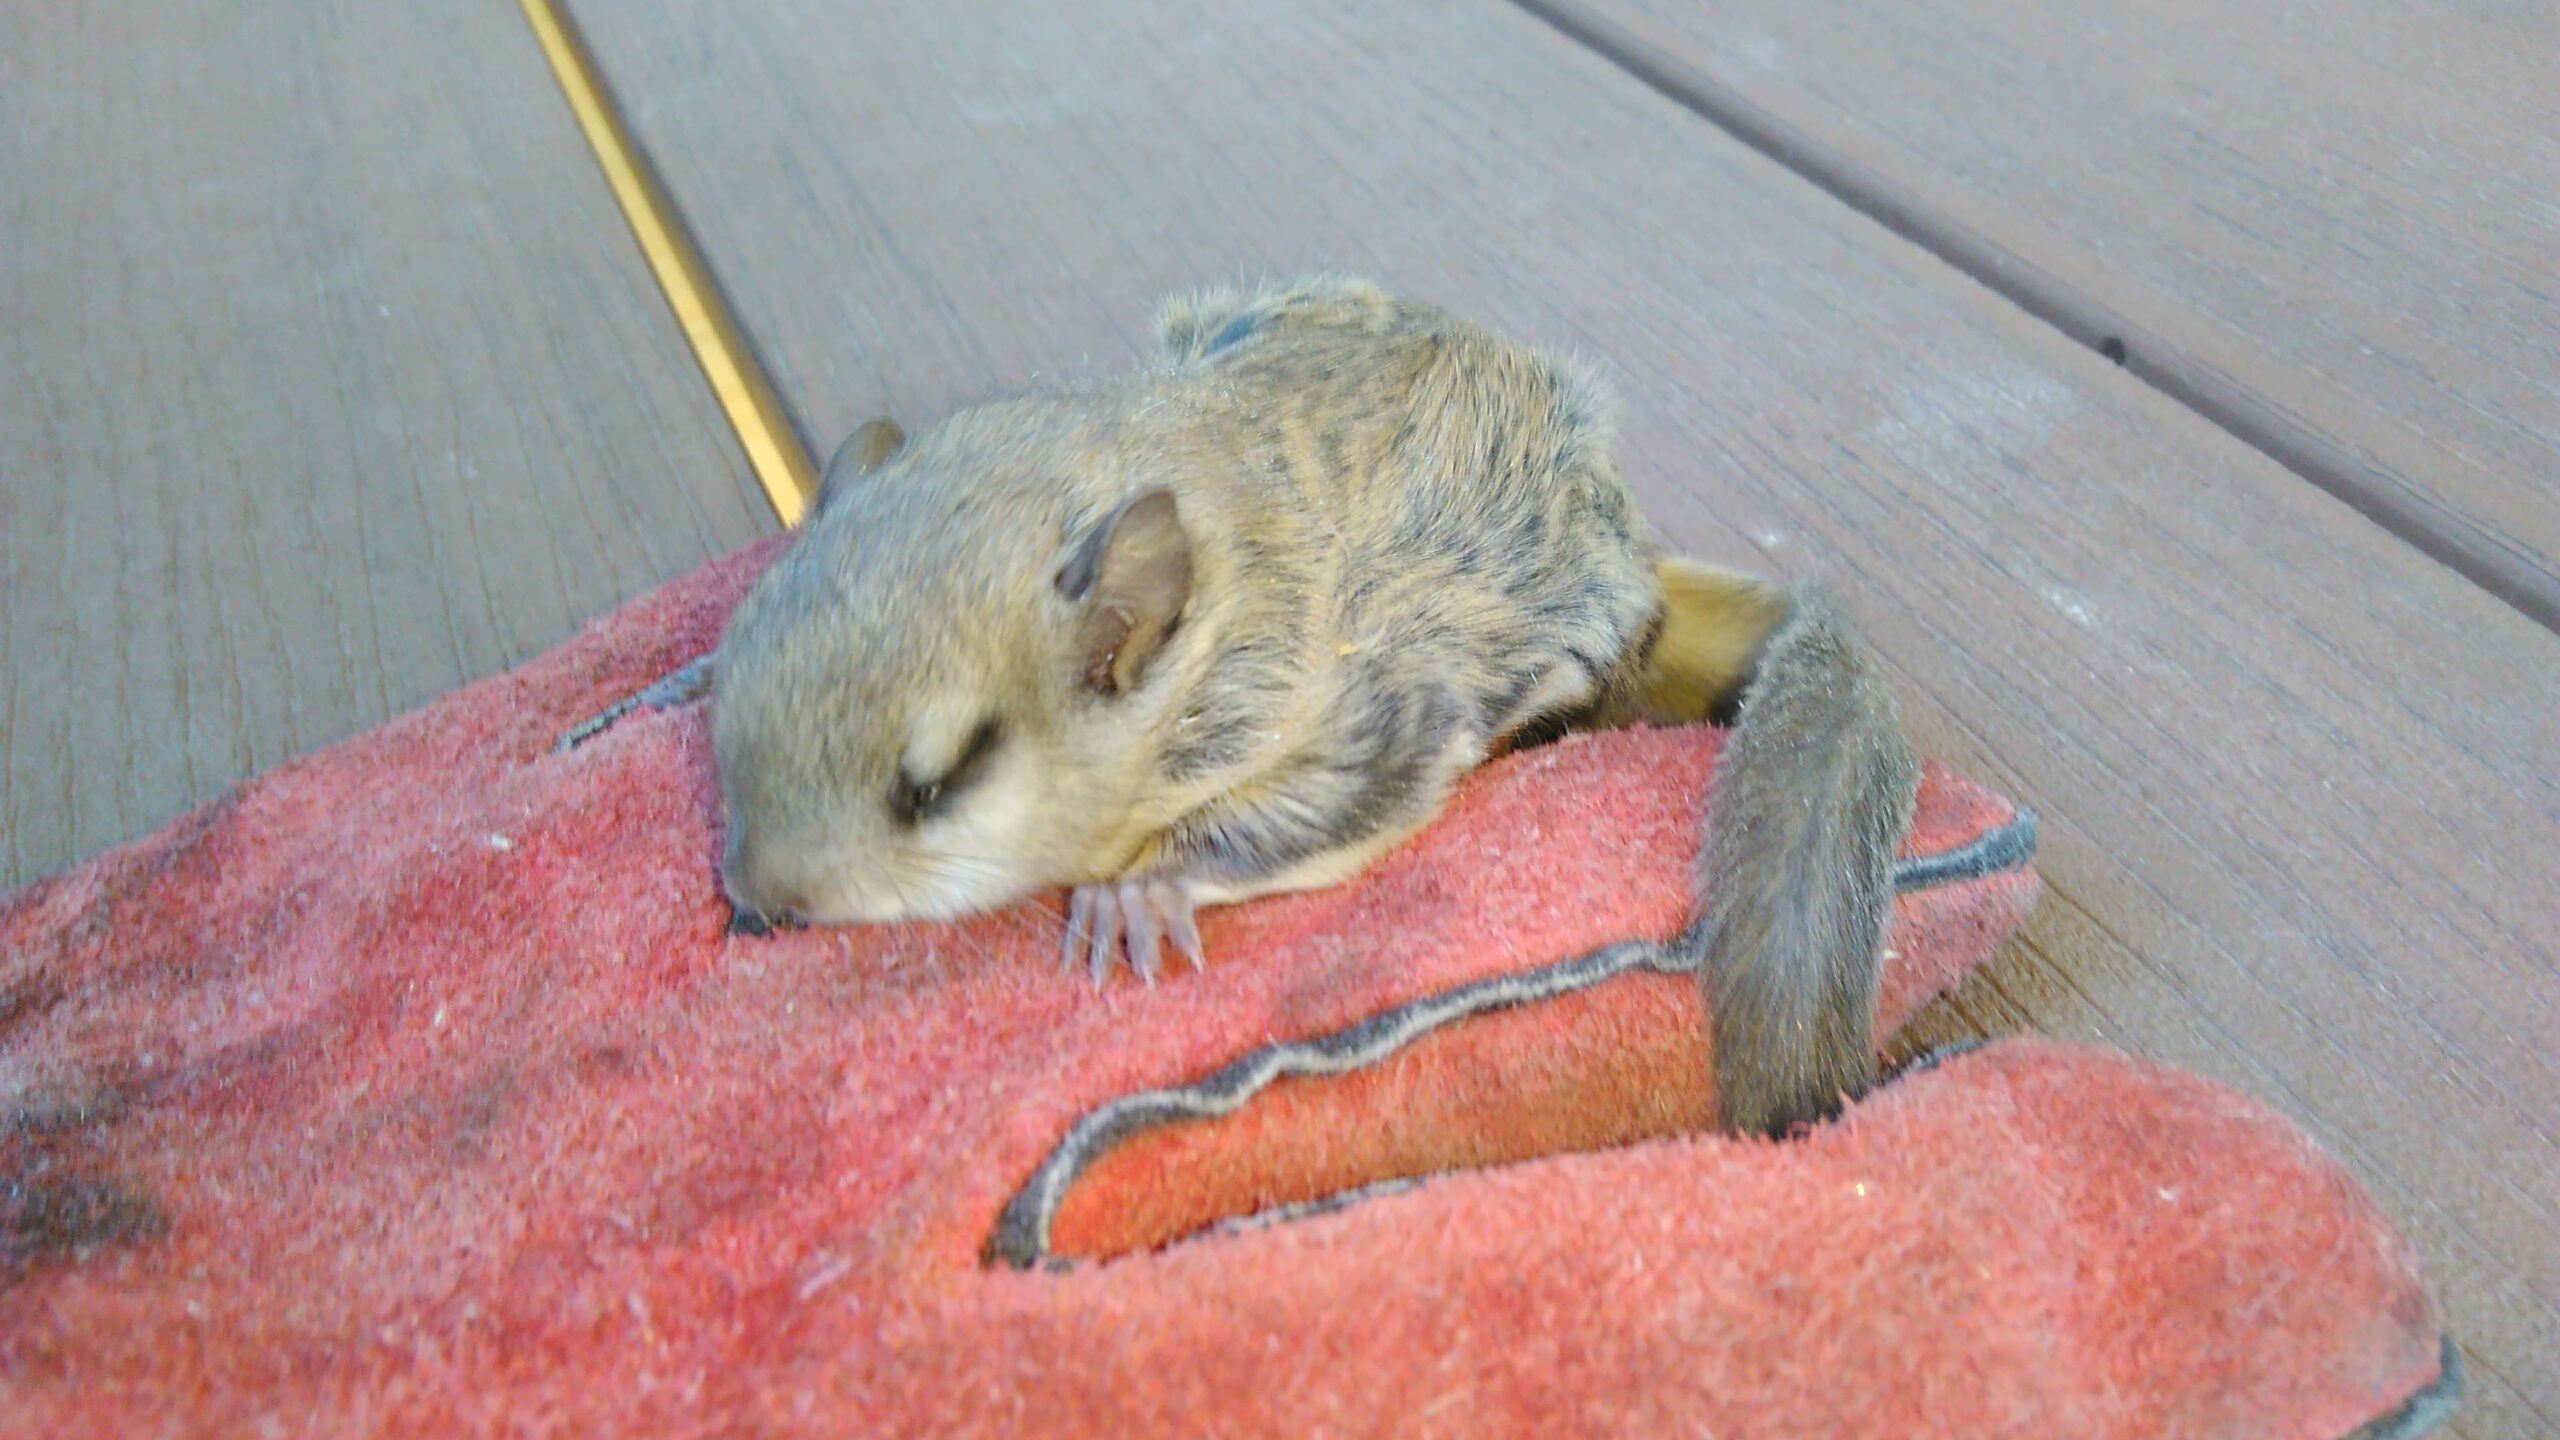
1813,793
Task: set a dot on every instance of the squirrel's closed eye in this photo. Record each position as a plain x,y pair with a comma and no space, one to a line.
912,801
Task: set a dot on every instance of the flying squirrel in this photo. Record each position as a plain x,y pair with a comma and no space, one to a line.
1236,625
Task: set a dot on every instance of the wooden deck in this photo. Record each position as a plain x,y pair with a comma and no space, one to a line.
2175,393
321,392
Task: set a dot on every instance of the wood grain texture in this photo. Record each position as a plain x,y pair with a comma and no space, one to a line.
2301,786
2340,218
329,378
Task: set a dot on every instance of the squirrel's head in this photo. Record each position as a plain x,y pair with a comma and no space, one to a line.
951,689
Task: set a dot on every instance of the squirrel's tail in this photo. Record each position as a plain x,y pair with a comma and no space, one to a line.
1812,795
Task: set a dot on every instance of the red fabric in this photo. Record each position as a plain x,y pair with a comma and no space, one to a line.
414,1089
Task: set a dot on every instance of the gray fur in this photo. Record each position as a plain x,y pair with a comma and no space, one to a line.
1397,541
1813,793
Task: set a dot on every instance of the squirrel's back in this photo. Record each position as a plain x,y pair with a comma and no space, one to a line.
1477,523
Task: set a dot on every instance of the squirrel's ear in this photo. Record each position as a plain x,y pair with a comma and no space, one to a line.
1130,580
862,452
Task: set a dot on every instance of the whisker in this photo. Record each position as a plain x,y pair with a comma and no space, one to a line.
1027,917
958,930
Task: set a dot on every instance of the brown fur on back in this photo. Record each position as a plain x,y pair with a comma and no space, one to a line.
1477,561
1383,542
1404,540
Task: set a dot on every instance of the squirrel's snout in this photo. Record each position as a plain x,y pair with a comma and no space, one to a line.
747,917
751,913
743,921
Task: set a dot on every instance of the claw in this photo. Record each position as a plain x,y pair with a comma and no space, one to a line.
1142,915
1138,909
1079,927
1173,902
1105,931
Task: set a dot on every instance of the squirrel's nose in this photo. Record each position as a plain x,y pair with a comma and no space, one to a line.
744,921
747,917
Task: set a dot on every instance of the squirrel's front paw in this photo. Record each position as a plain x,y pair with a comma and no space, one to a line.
1142,914
676,688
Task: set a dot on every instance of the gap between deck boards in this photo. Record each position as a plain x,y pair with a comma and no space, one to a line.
777,449
776,446
2149,357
